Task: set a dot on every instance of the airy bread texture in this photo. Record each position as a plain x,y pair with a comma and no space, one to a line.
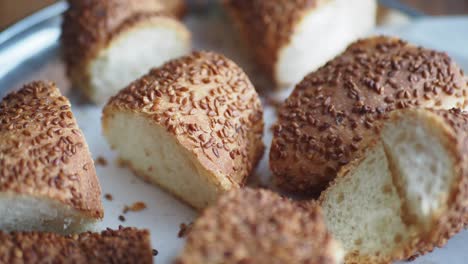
193,126
47,176
330,118
259,226
109,43
291,38
125,245
408,194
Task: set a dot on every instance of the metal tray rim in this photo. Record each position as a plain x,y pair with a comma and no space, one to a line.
27,23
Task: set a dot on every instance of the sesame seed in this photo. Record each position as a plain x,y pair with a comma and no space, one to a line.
101,161
212,119
108,197
42,156
350,96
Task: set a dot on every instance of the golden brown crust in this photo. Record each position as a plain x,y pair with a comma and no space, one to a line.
333,114
43,153
259,226
126,245
176,8
452,126
208,103
89,26
267,25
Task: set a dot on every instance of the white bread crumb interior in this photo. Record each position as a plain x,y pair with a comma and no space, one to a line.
396,194
133,53
321,35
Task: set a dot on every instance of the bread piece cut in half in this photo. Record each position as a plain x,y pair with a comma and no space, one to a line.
47,176
259,226
331,117
290,38
193,126
125,245
408,194
108,44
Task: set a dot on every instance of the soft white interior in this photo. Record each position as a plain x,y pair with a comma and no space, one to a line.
363,211
154,153
132,54
423,164
27,213
336,252
321,35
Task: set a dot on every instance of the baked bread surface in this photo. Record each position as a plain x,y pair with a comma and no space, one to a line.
44,159
290,38
259,226
408,194
331,116
91,29
269,24
125,245
202,111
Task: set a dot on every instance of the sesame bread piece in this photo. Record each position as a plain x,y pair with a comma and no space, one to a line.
125,245
331,116
193,126
47,176
109,43
259,226
290,38
408,194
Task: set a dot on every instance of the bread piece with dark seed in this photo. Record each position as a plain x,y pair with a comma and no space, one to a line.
109,43
291,38
333,115
47,176
409,192
259,226
193,126
125,245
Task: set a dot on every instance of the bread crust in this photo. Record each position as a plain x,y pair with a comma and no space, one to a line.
90,26
177,8
451,125
43,153
333,115
267,26
259,226
125,245
208,103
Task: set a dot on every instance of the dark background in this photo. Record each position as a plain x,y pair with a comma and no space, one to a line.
440,7
12,10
